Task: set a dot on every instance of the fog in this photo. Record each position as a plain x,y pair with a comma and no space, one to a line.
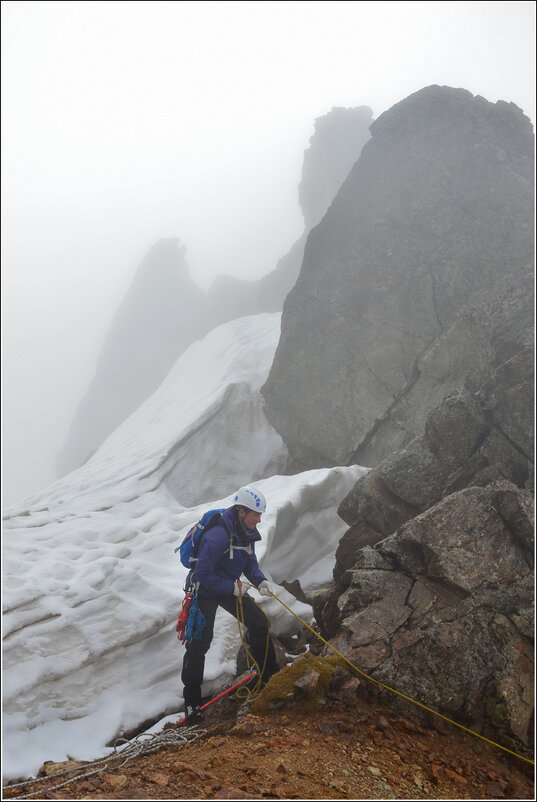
127,122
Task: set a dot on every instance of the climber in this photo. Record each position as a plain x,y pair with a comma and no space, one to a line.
226,552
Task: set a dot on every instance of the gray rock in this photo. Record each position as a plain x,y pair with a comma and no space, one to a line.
229,298
272,289
308,682
373,512
419,273
464,445
352,545
455,428
370,559
451,541
509,397
496,459
372,502
415,475
374,606
156,321
450,622
335,146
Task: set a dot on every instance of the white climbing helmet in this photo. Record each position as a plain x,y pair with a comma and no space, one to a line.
251,498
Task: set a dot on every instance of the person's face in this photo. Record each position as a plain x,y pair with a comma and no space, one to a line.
249,518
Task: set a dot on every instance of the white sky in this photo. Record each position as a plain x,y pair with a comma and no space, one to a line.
126,122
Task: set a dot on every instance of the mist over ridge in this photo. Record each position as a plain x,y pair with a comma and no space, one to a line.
220,268
406,342
165,311
105,152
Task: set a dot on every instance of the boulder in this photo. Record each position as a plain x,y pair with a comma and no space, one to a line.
441,610
373,512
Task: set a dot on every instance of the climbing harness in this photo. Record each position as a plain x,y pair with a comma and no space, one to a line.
398,693
144,744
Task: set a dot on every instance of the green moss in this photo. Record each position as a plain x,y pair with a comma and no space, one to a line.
281,685
501,713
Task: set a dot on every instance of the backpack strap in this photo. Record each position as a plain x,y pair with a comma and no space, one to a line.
214,520
248,549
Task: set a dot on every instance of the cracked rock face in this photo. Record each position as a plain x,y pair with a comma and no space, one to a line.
419,274
477,435
442,610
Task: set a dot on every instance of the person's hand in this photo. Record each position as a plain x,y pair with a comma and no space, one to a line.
264,588
240,588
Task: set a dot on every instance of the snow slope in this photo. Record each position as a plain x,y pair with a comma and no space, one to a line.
92,586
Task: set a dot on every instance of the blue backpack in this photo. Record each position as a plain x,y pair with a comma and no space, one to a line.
188,550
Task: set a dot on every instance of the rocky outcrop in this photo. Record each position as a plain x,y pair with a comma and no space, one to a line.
477,435
434,577
164,311
156,321
334,147
272,289
442,610
488,349
418,277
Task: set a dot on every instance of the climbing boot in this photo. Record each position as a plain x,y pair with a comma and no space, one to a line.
193,714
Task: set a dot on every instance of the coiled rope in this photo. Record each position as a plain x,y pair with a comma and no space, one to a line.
402,695
143,744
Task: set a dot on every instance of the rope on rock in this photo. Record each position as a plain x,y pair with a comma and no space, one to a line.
143,744
398,693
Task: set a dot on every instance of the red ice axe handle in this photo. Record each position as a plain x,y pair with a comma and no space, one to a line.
220,695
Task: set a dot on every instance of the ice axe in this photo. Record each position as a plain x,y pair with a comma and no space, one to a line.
242,680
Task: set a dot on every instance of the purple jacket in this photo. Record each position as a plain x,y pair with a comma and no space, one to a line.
216,570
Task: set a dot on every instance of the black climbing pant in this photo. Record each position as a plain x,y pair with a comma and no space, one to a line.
258,640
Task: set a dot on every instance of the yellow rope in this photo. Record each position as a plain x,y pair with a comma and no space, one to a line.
243,692
408,698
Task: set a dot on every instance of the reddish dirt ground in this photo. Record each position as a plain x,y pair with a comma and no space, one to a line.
361,750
